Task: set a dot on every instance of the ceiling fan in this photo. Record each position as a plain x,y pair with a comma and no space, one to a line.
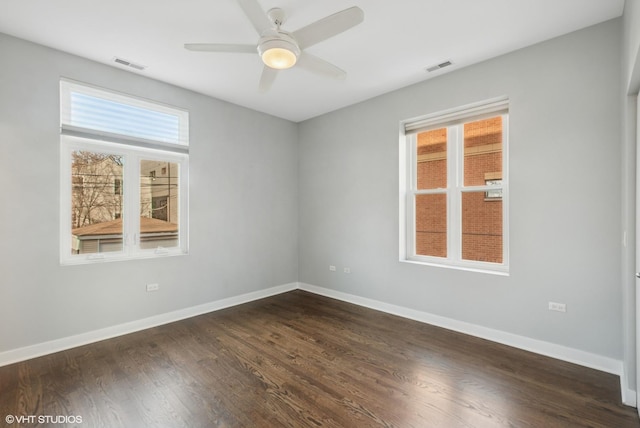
280,49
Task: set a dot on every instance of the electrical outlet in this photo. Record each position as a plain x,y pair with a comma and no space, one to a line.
332,268
347,270
153,287
559,307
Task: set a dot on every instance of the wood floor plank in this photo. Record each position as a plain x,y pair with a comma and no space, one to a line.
302,360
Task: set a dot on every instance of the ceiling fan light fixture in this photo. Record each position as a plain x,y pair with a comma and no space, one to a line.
279,58
278,53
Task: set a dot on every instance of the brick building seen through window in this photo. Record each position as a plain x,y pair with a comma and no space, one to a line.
481,212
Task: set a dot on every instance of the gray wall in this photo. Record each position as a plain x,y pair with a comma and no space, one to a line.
243,206
255,220
565,152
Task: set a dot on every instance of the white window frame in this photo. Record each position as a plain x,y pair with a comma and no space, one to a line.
133,150
454,121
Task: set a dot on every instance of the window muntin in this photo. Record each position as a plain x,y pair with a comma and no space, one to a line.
113,206
454,183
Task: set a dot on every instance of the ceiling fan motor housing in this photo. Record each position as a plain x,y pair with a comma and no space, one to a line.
278,50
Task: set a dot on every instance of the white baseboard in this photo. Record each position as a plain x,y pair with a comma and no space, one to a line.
576,356
629,396
40,349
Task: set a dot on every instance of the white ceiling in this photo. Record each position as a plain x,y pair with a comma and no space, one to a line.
389,50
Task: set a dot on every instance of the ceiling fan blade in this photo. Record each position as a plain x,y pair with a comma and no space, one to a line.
266,80
319,66
216,47
328,27
256,15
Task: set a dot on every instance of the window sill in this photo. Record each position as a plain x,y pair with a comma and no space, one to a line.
500,270
88,259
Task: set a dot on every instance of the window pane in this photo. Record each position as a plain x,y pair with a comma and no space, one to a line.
432,159
431,225
96,202
483,151
101,114
158,204
481,227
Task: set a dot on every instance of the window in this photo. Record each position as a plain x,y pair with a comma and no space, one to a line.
113,205
454,188
117,186
493,179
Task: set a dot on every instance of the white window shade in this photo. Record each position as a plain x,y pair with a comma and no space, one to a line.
89,110
456,116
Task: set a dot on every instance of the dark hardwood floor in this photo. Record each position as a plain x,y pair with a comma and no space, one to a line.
301,360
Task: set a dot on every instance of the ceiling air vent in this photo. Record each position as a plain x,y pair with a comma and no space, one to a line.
439,66
129,63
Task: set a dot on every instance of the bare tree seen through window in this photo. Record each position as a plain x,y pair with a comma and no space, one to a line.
96,180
